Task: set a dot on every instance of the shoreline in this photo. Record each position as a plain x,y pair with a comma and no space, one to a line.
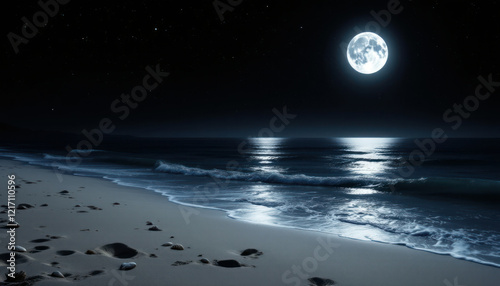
227,214
290,255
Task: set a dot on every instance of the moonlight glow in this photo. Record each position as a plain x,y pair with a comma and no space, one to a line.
367,53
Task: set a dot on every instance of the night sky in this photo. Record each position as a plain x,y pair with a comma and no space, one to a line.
225,77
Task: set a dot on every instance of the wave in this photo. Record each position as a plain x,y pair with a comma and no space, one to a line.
89,151
466,188
54,157
135,161
270,177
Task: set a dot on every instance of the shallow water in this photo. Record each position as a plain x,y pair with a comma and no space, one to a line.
359,188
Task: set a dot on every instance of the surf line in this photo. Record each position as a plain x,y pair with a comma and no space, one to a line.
277,124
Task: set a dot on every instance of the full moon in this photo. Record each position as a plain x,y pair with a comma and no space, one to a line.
367,53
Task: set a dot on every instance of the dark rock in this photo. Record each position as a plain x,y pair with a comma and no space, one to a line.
19,277
57,274
316,281
250,251
24,206
227,263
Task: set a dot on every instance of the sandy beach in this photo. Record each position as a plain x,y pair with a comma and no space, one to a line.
86,228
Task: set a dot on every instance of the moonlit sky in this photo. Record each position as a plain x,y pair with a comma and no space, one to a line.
225,78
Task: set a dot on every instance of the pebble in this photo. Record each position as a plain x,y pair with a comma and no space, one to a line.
57,274
205,261
19,248
177,247
128,265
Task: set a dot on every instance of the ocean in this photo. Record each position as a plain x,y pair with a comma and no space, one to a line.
445,199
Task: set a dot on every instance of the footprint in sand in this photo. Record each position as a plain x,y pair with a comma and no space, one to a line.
179,263
83,276
96,272
118,250
39,248
40,240
65,252
19,258
21,278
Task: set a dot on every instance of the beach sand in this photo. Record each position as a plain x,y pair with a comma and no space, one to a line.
111,220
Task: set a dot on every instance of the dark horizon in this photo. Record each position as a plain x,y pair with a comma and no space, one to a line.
21,131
